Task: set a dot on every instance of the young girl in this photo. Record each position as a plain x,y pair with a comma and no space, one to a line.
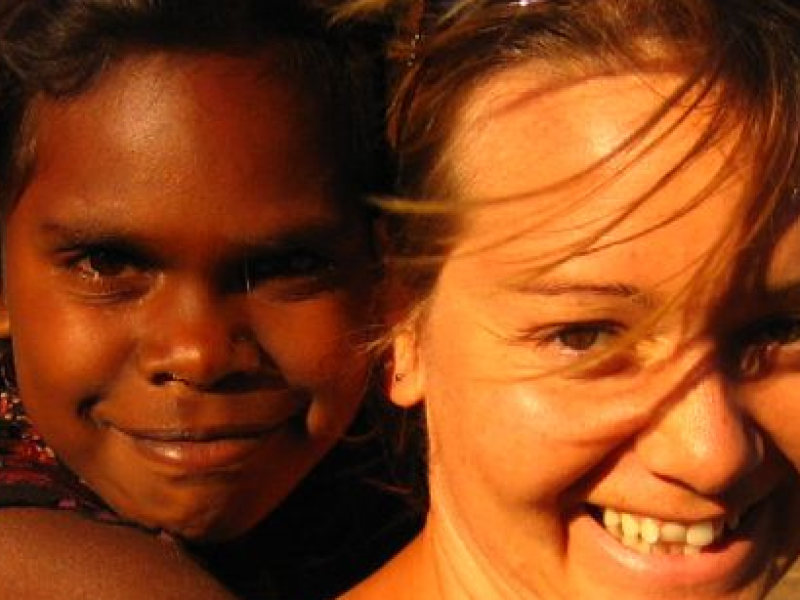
599,230
187,273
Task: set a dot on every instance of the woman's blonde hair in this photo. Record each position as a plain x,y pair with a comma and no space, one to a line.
739,58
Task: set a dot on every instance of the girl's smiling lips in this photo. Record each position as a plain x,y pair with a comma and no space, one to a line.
199,450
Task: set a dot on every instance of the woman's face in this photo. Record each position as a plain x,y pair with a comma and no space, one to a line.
658,472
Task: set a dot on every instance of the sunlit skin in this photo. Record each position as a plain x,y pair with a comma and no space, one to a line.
185,283
522,453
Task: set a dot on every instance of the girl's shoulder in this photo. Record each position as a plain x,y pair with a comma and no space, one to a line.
62,554
59,540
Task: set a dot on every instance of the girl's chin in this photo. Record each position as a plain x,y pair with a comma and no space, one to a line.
735,566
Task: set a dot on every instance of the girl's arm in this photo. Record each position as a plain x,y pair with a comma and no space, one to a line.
46,554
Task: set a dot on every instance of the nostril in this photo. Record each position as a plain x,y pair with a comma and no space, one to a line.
200,354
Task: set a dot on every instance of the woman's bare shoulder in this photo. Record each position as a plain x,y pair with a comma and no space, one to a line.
47,554
401,578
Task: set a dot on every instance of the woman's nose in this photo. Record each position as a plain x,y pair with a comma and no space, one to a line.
702,439
198,337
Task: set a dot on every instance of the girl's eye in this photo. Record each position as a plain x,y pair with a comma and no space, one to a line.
295,264
102,273
97,264
296,274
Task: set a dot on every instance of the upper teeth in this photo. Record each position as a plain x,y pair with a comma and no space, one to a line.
647,534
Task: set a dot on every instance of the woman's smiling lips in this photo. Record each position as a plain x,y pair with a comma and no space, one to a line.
199,450
716,565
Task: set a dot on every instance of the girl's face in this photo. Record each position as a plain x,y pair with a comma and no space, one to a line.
658,472
183,288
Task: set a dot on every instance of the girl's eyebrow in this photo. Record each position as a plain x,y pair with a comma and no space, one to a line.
314,231
311,234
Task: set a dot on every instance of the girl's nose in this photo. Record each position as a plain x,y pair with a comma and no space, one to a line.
198,338
702,439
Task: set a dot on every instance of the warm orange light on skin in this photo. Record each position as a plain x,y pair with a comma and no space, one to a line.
515,461
190,397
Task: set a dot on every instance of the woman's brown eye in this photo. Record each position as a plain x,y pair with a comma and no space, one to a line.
580,339
755,353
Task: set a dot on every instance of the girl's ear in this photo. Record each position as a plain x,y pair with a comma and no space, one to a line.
407,384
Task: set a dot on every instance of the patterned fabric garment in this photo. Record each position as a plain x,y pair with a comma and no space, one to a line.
336,528
30,474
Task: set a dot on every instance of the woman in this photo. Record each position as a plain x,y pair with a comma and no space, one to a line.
598,231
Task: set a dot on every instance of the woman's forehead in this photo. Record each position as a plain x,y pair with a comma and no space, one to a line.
559,161
522,131
539,164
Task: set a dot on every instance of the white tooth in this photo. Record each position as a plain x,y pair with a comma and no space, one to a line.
689,550
644,547
673,532
700,534
610,518
630,526
650,530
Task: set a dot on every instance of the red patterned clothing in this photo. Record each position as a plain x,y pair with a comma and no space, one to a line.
335,529
30,474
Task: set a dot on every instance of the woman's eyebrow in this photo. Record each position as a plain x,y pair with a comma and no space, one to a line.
597,289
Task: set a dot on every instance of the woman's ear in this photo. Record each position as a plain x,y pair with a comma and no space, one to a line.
407,384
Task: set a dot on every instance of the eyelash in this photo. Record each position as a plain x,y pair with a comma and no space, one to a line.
584,337
765,346
292,275
585,348
109,273
123,274
298,264
782,330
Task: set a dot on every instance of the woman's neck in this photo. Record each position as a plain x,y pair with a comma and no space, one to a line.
437,565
